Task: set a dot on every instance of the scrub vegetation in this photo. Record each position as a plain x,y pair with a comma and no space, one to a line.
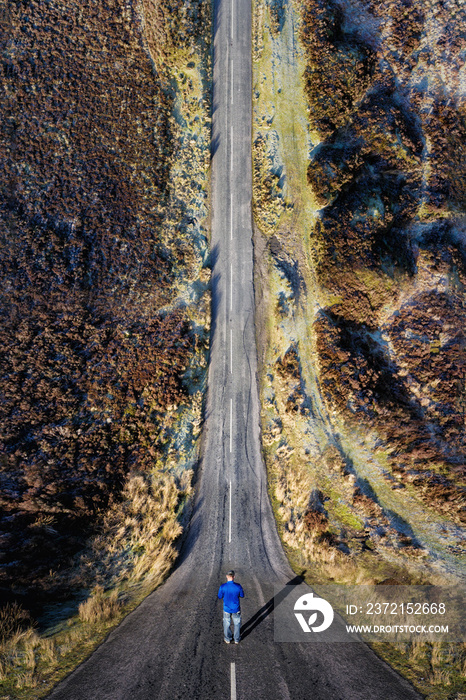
359,120
105,314
389,239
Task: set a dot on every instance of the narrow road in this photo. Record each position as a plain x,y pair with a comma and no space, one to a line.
172,646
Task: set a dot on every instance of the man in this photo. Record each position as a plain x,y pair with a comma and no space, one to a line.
231,592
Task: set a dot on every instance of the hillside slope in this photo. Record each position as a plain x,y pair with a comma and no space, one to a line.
105,299
359,206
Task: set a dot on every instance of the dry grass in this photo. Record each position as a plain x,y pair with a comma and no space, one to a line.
99,606
291,484
268,200
13,620
436,669
137,537
131,555
19,653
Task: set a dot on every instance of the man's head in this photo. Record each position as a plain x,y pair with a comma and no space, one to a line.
230,575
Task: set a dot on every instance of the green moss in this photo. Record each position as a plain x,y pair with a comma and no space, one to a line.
343,514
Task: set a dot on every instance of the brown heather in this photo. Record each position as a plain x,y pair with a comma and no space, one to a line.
93,343
101,356
389,175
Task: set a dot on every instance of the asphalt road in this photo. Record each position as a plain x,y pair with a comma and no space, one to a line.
172,645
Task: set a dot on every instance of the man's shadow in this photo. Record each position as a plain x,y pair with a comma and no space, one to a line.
266,609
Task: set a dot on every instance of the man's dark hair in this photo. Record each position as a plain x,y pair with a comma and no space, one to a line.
231,573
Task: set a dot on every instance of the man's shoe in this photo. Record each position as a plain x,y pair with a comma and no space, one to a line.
227,641
236,642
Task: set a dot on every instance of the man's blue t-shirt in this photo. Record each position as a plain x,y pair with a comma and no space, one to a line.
231,592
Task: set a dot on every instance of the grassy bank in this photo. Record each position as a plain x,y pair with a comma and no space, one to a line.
132,554
106,320
345,512
346,458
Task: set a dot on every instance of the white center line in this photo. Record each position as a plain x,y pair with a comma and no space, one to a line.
231,287
231,424
231,81
225,320
233,681
232,17
231,148
231,350
226,111
229,533
231,215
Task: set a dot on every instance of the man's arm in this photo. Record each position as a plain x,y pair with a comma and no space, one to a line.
220,592
241,593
